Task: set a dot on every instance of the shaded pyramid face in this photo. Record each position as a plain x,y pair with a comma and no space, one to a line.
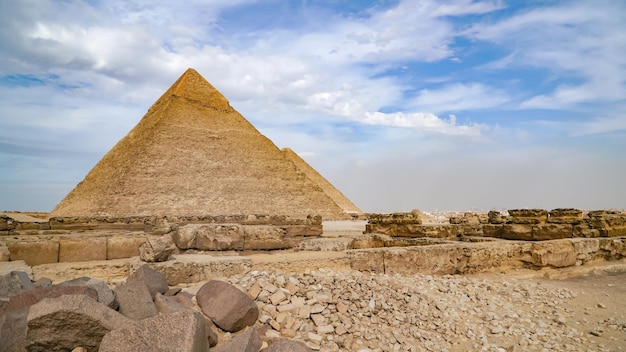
192,154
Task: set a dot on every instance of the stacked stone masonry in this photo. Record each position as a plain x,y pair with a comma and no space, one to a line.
80,239
519,224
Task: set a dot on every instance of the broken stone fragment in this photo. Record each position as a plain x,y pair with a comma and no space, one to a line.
154,280
156,249
135,300
62,323
227,306
246,341
180,331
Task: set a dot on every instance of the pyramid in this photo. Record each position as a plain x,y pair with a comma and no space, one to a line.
192,154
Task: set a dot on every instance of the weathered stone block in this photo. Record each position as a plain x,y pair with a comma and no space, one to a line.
185,236
586,249
615,231
124,246
156,249
370,241
24,226
34,252
584,230
395,218
565,216
5,255
493,230
544,232
265,237
517,232
615,248
528,216
556,254
438,260
370,260
608,223
4,223
495,217
219,237
305,230
456,220
484,256
83,249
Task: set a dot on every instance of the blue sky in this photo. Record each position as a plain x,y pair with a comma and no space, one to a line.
435,105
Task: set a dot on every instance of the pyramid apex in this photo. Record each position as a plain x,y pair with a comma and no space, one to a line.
192,86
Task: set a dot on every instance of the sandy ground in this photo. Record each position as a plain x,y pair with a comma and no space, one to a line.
598,306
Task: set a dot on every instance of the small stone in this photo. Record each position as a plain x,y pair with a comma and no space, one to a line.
272,333
275,325
254,291
497,329
314,337
286,307
304,312
278,297
289,333
269,287
317,308
340,330
318,319
325,329
342,308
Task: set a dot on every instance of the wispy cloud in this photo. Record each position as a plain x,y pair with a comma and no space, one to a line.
578,41
349,84
459,97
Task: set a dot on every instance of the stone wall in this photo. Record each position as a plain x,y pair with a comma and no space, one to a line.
79,239
539,224
519,224
465,258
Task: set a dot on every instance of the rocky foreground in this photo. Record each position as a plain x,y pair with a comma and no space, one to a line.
317,310
332,311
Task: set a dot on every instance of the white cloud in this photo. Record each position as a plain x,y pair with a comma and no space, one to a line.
458,97
425,122
612,120
578,42
467,7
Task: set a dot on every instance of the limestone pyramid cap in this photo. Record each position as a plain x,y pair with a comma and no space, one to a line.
192,86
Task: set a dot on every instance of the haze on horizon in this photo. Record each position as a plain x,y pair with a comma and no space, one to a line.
401,104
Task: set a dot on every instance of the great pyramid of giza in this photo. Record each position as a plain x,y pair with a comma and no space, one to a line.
192,154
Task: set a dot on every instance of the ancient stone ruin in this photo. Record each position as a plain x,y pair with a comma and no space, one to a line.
196,232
